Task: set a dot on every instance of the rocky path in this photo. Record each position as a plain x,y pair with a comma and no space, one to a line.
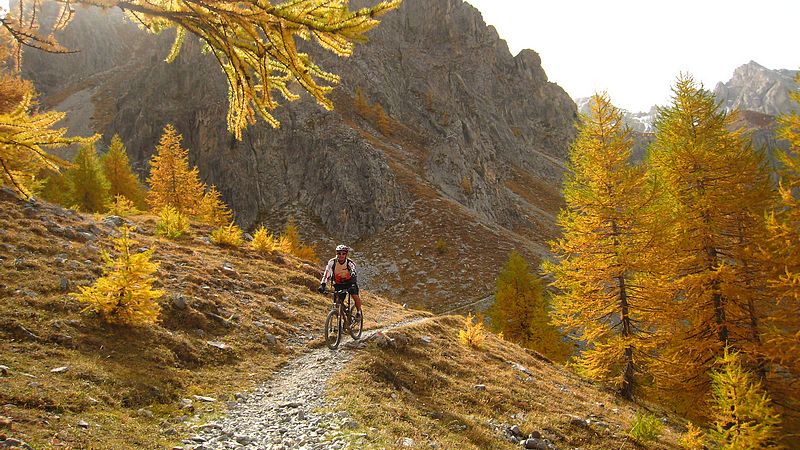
284,413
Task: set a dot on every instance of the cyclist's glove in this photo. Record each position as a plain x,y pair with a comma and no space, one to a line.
321,288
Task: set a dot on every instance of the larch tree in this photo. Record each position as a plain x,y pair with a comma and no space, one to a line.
521,311
254,41
604,258
117,169
212,210
716,188
88,186
172,182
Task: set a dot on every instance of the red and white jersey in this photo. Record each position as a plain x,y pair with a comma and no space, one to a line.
339,273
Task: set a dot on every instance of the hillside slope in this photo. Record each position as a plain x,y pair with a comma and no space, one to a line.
234,322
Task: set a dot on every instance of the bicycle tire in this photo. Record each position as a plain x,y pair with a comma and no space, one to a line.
333,330
356,327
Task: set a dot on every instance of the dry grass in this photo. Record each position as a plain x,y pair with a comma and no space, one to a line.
234,296
442,393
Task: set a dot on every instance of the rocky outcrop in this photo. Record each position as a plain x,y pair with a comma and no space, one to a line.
464,111
753,87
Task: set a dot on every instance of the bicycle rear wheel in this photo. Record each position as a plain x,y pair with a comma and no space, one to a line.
356,326
333,330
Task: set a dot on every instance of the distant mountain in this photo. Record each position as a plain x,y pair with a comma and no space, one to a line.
753,87
641,122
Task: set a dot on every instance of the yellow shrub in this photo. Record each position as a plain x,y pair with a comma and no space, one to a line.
263,241
472,334
283,245
172,223
693,439
121,206
290,240
124,294
440,246
227,236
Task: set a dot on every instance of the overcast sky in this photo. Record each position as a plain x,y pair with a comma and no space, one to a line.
634,50
3,8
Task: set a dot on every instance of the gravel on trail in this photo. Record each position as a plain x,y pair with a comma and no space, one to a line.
284,412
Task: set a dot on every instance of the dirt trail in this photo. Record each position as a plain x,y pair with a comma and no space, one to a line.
283,413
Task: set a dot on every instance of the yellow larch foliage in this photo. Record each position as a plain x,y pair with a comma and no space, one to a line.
263,241
172,223
227,236
88,186
25,135
121,206
743,415
693,439
172,182
473,333
254,41
124,294
716,191
521,311
291,239
212,210
604,259
120,176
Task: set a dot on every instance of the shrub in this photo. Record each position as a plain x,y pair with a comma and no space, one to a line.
440,246
212,210
291,240
645,428
227,236
121,206
472,334
124,294
172,223
263,241
693,439
743,412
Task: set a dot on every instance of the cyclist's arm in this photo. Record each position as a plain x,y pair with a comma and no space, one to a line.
326,275
353,276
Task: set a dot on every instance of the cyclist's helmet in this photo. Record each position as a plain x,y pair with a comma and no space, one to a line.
342,248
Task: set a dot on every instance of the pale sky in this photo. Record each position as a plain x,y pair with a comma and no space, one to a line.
634,50
4,7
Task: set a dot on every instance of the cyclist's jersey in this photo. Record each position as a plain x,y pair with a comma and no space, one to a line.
339,273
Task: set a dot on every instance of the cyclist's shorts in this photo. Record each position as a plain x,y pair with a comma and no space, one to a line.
352,288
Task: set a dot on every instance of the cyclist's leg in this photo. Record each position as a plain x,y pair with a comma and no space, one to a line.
356,297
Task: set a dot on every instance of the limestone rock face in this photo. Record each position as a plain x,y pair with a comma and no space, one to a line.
753,87
463,110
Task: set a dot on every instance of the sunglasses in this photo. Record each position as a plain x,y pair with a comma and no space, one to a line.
341,253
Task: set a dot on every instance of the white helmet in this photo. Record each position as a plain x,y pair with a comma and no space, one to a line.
342,248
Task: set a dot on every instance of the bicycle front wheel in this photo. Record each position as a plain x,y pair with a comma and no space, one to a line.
333,330
356,326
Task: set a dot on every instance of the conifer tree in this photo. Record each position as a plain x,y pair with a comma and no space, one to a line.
291,238
253,41
88,186
212,210
55,188
604,257
117,169
717,190
171,181
743,415
520,310
382,120
124,294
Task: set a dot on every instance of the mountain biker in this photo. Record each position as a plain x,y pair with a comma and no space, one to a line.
342,271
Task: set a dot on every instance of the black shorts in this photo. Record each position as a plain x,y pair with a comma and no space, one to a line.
352,288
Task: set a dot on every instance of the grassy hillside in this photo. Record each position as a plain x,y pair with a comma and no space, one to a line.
229,319
419,387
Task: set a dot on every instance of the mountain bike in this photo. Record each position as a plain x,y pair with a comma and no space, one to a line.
342,317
